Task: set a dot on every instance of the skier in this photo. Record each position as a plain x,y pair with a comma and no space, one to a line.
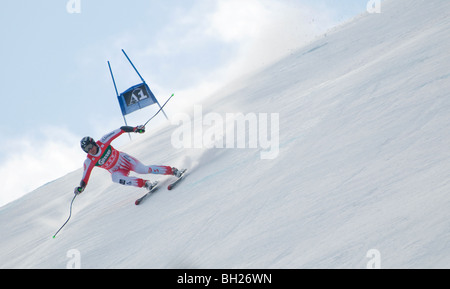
119,164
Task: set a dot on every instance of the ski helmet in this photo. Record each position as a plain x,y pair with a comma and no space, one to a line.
87,143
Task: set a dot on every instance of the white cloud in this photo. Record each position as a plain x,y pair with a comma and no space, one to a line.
258,32
35,160
236,20
265,30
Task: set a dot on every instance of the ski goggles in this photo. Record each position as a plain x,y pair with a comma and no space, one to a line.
88,147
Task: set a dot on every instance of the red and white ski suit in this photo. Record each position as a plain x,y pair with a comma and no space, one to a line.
118,163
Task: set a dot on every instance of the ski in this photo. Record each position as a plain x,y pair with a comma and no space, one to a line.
173,184
154,189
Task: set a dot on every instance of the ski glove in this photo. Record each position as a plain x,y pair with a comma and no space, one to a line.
78,190
139,129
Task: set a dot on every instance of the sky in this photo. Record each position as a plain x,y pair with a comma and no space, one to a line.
56,85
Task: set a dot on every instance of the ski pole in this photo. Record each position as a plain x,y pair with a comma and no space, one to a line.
70,215
159,110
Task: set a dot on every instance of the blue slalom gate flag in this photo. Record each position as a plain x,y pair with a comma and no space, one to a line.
136,97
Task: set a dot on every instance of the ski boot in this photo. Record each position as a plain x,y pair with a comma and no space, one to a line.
176,172
150,185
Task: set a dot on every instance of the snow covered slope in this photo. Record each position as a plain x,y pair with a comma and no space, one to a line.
363,163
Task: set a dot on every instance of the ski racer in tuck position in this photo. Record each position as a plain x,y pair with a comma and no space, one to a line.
119,164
